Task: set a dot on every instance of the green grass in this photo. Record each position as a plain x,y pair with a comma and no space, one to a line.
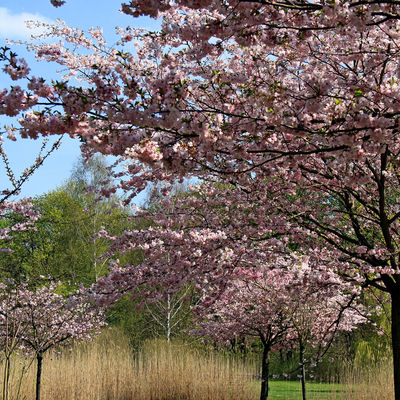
291,390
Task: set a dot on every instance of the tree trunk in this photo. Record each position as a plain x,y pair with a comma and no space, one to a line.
396,343
265,372
39,358
168,318
6,377
303,369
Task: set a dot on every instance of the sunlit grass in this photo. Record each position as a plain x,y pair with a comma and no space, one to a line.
315,391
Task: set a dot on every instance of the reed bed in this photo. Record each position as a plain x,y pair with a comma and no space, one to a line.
108,369
373,383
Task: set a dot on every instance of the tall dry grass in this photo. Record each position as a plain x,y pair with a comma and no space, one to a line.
107,369
377,384
369,381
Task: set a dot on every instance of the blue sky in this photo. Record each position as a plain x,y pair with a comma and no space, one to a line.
82,14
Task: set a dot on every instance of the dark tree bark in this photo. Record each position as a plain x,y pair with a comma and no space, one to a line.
39,358
303,369
6,377
265,371
396,342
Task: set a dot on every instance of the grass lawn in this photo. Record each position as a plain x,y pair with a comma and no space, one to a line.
291,390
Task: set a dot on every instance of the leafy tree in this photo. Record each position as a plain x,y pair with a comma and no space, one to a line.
64,243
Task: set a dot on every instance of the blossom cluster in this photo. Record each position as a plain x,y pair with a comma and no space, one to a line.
38,320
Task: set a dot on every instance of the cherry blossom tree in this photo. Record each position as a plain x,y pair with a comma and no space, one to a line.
301,120
42,319
250,284
281,305
243,311
319,308
16,216
11,328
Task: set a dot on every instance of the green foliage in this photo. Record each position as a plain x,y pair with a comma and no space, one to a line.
134,322
63,244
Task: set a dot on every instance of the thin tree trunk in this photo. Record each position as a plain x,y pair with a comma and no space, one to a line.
96,277
265,372
396,343
21,376
6,377
39,358
303,369
168,318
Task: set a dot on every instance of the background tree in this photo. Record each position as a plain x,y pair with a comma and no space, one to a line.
89,179
173,314
64,242
144,319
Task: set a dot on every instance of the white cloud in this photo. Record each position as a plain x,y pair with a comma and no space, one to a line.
13,26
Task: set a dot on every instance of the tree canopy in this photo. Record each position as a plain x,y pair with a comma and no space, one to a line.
292,106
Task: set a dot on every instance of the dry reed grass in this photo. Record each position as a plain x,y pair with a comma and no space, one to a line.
373,383
107,369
